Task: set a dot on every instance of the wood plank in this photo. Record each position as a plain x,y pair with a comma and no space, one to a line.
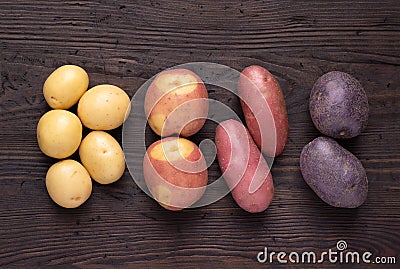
127,42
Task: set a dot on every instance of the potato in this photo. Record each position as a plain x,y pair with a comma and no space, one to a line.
102,156
68,183
59,133
63,88
243,166
333,173
339,105
179,95
104,107
262,97
175,172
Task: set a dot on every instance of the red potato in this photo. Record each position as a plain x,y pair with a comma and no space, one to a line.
244,168
262,97
175,172
176,103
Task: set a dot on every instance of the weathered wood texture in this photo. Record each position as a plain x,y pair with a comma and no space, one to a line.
127,42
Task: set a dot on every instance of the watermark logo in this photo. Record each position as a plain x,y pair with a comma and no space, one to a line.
341,254
341,245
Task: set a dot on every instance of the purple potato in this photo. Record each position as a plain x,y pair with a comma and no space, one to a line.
333,173
339,105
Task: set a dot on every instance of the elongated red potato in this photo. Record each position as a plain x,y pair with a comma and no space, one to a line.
264,109
243,166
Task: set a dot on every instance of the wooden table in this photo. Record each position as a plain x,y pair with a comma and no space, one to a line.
127,42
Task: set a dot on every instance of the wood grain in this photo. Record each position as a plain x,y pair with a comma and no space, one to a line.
127,42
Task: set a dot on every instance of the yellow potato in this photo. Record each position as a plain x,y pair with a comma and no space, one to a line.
63,88
59,133
103,107
68,183
102,156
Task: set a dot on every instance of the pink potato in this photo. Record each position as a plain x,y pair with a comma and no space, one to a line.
244,168
175,172
264,109
176,103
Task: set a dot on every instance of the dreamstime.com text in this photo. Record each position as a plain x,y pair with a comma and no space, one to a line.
338,255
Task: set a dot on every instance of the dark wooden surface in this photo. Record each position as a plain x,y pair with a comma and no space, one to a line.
127,42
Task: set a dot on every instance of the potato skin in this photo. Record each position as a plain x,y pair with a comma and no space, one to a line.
159,104
59,133
339,105
68,183
244,168
102,156
173,188
333,173
261,95
63,88
104,107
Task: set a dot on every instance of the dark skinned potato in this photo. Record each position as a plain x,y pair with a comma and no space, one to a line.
333,173
339,105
